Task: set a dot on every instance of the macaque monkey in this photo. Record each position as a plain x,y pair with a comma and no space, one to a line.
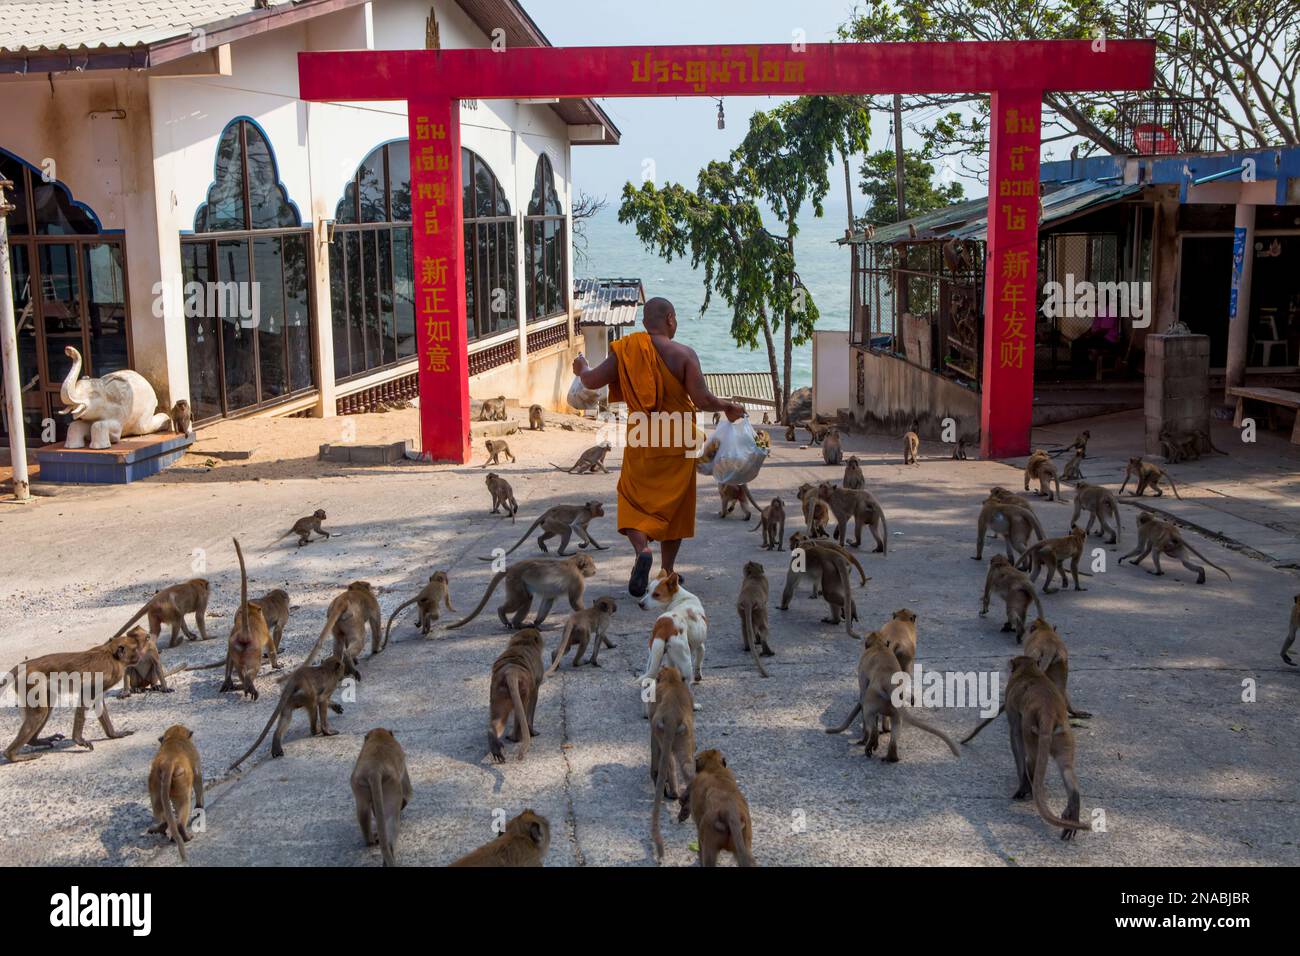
536,419
147,673
1039,468
771,521
1072,471
524,843
304,528
853,478
751,605
1290,637
564,521
275,610
1157,537
1000,495
672,744
543,578
789,433
1052,553
815,567
832,449
861,506
349,614
959,450
1080,443
431,598
827,564
733,495
1015,588
714,801
99,669
589,462
1098,502
496,448
170,605
877,666
1017,526
381,788
899,635
588,626
493,409
308,688
182,418
816,511
911,447
250,638
502,495
175,782
1148,476
517,676
816,431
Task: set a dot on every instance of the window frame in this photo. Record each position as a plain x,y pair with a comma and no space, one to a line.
538,221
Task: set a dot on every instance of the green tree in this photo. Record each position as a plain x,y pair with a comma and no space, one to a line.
920,192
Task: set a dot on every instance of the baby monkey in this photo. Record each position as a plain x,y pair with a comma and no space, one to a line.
771,521
432,596
588,626
305,527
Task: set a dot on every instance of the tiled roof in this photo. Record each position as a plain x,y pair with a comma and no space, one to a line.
608,301
73,24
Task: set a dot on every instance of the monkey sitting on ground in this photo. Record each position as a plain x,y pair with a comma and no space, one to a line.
1290,637
432,596
1016,524
250,638
544,578
1098,502
308,688
563,521
1157,537
381,788
854,480
502,495
911,447
1072,471
147,673
349,614
170,605
733,495
517,676
1148,476
182,418
588,626
495,449
524,842
536,419
751,605
493,409
304,528
1052,553
1015,588
721,814
862,507
175,780
672,744
1039,468
771,521
589,462
832,449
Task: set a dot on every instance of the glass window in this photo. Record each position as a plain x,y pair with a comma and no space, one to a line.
246,192
491,305
106,306
201,333
545,240
297,311
268,317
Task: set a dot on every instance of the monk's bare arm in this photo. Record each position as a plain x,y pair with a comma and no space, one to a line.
606,373
705,400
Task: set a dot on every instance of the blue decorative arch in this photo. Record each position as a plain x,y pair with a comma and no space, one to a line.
66,190
228,174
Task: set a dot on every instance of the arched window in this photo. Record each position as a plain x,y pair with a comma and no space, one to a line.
491,297
247,274
545,245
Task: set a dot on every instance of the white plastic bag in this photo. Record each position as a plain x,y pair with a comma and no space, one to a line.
739,456
581,397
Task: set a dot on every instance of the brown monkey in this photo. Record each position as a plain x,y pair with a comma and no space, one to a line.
733,495
853,477
170,605
175,779
381,788
1072,471
816,512
911,446
544,578
899,635
1039,468
502,495
1148,476
816,431
751,605
1156,537
182,418
147,673
523,843
304,527
861,506
536,418
349,614
308,688
789,433
959,450
1000,495
1015,588
1290,637
590,625
275,609
1017,526
563,521
1098,502
771,521
1052,553
496,448
1080,443
672,744
832,449
721,815
590,461
249,640
97,671
493,409
517,676
827,565
427,603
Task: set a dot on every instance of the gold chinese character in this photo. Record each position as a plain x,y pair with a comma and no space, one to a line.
1015,265
437,359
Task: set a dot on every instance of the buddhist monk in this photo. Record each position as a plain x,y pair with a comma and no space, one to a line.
656,487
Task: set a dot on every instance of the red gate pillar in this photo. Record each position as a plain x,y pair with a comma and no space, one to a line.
437,228
1010,274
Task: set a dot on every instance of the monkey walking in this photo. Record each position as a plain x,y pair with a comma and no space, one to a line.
175,785
1015,588
721,814
1072,471
1053,553
517,676
1039,468
1157,537
563,521
672,745
427,603
771,521
589,462
959,450
1290,637
590,625
536,419
502,495
495,449
308,688
170,605
862,508
381,788
349,614
1015,523
733,495
1098,502
524,842
1148,475
751,605
543,578
911,448
304,528
493,409
250,638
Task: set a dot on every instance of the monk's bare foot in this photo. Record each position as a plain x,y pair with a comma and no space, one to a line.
640,579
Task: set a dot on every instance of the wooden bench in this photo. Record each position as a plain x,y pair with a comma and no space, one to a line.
1273,396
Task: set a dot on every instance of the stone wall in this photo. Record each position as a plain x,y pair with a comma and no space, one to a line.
1177,385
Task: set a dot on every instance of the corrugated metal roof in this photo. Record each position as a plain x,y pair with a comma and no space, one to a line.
30,25
608,301
753,385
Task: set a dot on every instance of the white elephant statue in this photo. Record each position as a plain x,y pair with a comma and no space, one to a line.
120,403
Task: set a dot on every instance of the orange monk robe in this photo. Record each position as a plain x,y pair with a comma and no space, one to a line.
656,486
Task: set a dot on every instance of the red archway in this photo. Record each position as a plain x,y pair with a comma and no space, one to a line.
1016,74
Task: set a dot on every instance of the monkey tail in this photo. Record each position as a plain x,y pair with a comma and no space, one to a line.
1173,486
1037,603
521,717
905,714
329,626
243,586
531,528
1039,782
492,586
1207,561
857,709
737,829
381,818
665,762
747,629
275,715
884,527
400,608
169,814
138,614
984,723
1038,527
563,648
754,504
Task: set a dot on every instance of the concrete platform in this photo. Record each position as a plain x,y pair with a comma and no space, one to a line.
129,460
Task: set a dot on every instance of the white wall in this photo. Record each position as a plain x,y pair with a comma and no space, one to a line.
831,370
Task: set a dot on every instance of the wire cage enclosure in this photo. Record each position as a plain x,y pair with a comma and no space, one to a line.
1162,125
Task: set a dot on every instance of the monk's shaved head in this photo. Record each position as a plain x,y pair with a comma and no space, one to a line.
659,315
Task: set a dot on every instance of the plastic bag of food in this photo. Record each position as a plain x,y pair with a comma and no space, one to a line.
739,456
581,397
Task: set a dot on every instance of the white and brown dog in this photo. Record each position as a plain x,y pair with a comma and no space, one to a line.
679,632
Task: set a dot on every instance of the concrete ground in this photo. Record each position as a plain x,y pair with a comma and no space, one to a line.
1186,772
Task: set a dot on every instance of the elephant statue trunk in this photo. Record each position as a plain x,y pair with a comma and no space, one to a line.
105,409
72,405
